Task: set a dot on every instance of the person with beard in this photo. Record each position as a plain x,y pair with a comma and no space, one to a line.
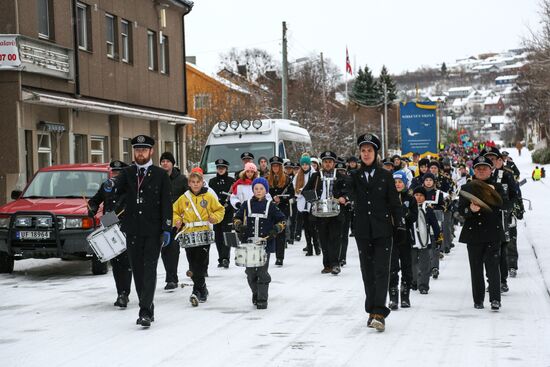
304,208
503,176
280,185
482,232
196,211
113,202
221,184
327,185
378,215
436,199
262,166
147,222
402,242
170,254
420,172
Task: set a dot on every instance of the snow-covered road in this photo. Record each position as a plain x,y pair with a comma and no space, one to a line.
55,313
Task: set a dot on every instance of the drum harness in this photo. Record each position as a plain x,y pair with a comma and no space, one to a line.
257,217
503,212
194,224
327,183
417,232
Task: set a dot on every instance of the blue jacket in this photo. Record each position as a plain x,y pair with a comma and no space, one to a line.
275,220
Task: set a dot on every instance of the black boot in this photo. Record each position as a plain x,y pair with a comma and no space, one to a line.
122,300
405,302
394,299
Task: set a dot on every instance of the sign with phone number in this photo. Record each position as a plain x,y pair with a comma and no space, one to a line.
9,53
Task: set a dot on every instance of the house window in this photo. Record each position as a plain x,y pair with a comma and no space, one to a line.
44,150
83,27
80,148
202,101
45,19
126,151
164,55
151,50
110,31
126,41
97,145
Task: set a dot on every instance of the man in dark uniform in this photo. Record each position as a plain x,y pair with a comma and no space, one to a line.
503,176
246,157
221,184
328,184
171,254
292,215
147,221
482,232
510,164
378,214
347,210
113,202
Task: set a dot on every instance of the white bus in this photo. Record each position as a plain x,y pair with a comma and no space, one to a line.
284,138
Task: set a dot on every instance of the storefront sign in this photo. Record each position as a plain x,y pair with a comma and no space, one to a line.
9,53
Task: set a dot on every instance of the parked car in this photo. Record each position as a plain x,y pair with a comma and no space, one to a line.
49,218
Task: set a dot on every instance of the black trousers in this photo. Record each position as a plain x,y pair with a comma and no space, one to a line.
310,232
122,272
143,253
512,249
374,258
223,250
292,215
299,226
170,258
344,236
198,264
280,245
329,230
504,262
401,259
259,279
488,254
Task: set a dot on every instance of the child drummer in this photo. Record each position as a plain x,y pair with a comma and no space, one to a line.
196,211
271,221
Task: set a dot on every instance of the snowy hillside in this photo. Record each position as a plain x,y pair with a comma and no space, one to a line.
54,313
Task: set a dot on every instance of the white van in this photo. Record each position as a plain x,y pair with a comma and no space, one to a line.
284,138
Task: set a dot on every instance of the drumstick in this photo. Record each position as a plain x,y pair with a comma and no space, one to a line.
120,213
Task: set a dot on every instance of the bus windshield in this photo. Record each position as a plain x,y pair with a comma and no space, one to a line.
232,154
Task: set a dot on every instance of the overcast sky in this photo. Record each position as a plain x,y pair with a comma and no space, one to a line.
402,34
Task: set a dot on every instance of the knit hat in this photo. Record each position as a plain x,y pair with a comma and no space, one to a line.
250,167
401,175
420,190
168,156
428,175
261,181
305,160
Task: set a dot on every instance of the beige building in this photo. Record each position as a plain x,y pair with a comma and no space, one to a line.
79,79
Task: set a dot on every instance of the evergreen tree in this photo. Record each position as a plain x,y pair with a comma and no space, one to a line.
365,89
385,78
444,70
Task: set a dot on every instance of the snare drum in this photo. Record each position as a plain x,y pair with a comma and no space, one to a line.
196,239
107,242
251,255
325,208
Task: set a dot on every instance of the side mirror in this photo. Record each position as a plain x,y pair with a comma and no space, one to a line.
15,194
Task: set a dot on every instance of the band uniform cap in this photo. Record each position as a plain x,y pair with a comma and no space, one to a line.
424,162
117,165
222,163
329,155
490,151
295,165
371,139
481,160
504,153
387,161
341,165
287,164
247,155
275,159
353,159
143,141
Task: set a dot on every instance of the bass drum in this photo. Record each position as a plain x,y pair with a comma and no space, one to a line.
422,229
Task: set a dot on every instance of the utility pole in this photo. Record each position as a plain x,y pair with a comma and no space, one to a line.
325,112
386,116
284,86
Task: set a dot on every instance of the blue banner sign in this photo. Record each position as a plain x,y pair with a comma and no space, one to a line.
418,127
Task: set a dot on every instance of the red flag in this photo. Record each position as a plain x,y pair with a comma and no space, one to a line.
348,64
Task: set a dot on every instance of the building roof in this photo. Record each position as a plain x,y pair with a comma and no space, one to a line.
460,89
219,79
507,77
492,100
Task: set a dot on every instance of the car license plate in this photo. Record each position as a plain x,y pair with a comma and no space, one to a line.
33,235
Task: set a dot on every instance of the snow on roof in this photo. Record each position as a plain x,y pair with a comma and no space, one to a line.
459,102
492,100
460,89
498,119
219,79
437,98
516,65
507,77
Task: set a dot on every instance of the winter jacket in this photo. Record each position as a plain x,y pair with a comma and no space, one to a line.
179,184
206,205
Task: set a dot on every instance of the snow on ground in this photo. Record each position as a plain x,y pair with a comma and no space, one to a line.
55,313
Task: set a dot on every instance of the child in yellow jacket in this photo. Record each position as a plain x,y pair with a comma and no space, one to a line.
196,211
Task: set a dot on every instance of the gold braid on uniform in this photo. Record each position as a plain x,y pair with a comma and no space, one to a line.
279,227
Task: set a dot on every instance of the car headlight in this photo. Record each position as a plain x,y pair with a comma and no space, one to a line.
23,222
78,222
4,221
44,222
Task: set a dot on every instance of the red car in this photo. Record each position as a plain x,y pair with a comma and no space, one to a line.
49,218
